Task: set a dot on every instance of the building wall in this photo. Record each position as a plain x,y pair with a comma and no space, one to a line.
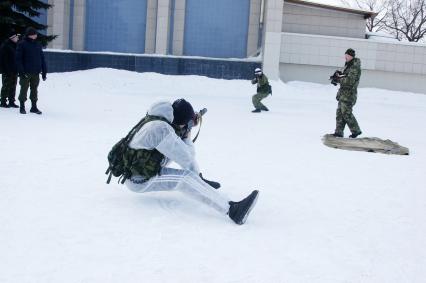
313,20
118,26
385,65
219,28
58,61
216,28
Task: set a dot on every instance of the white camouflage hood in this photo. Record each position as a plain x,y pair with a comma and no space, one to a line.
162,109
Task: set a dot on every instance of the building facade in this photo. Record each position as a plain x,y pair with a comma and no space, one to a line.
293,39
219,29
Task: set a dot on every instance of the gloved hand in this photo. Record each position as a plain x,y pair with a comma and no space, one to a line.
43,76
197,118
186,134
215,185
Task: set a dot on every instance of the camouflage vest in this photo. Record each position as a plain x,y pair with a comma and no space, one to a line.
263,85
144,162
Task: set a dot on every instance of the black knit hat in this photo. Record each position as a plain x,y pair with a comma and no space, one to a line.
182,112
11,33
350,52
30,31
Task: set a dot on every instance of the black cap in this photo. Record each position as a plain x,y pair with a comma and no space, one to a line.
11,33
350,52
182,112
30,31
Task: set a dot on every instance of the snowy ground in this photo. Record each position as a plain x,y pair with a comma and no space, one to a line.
323,215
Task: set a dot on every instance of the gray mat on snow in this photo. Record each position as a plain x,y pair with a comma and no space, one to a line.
365,144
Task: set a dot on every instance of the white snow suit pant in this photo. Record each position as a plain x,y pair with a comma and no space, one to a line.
185,181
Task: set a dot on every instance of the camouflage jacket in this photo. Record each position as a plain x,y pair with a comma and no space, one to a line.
349,84
262,84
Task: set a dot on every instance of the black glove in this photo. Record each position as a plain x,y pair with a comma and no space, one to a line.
43,76
213,184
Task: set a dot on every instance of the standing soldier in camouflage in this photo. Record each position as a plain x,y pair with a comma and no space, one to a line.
263,90
347,95
30,63
9,72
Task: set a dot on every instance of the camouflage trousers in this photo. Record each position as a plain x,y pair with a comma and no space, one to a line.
257,98
345,116
30,81
8,89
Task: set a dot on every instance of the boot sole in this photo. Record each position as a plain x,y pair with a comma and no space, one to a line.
250,208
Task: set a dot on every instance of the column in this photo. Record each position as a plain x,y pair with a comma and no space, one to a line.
58,19
178,27
272,38
79,24
163,22
253,31
151,26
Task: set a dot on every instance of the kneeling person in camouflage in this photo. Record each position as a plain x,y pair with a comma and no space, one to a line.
263,90
347,95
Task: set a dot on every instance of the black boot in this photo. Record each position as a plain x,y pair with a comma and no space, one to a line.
22,108
239,211
264,108
337,135
213,184
12,104
34,108
255,110
355,135
4,104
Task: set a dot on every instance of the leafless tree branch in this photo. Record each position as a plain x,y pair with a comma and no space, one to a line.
379,6
407,19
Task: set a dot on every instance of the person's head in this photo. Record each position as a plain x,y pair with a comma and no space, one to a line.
13,36
182,112
349,54
258,72
31,33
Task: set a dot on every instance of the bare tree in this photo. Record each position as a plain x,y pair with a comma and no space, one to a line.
378,6
407,19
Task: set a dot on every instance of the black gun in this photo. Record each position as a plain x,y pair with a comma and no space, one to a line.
335,78
192,123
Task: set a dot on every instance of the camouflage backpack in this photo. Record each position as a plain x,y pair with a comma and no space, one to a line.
124,161
116,166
